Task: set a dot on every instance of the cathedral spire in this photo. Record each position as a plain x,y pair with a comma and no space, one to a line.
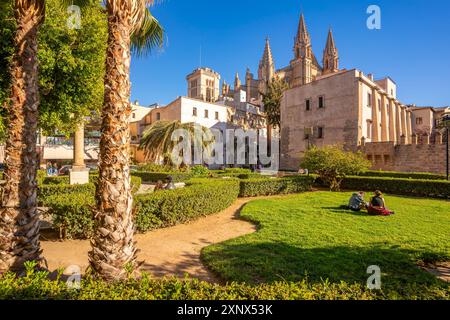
266,69
302,47
330,55
237,82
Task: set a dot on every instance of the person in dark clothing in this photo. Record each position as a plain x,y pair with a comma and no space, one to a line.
378,205
170,185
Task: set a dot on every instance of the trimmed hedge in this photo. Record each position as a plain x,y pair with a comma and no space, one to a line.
48,190
404,175
273,186
156,176
37,285
408,187
72,214
199,198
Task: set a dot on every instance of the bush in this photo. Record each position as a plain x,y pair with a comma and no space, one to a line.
273,186
199,198
236,170
408,187
48,190
404,175
153,167
72,214
333,164
156,176
199,170
37,285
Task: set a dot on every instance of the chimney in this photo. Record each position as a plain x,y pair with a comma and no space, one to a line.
370,76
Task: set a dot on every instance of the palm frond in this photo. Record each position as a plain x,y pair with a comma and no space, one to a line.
148,35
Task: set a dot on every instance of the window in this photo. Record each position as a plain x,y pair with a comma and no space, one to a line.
216,115
369,129
133,115
158,116
308,104
193,83
194,111
379,105
206,114
321,104
369,100
320,132
419,120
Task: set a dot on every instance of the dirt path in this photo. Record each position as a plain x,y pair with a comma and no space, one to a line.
169,251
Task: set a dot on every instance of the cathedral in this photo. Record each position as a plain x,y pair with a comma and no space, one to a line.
303,69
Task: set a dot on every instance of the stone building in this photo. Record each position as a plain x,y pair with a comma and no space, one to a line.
326,105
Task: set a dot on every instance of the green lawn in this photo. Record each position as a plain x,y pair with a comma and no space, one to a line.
310,235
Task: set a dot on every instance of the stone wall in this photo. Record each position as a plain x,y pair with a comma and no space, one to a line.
415,157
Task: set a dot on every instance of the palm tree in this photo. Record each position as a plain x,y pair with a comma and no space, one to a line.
113,248
19,219
157,140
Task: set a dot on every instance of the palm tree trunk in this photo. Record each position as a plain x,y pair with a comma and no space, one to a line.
19,219
113,249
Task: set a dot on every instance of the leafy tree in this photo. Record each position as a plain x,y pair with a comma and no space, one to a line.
332,164
272,100
157,140
72,66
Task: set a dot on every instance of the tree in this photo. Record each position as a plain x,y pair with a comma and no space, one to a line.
332,164
272,100
72,66
19,218
113,249
157,140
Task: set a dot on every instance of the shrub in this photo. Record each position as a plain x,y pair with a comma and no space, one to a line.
200,197
236,170
409,187
153,167
72,214
156,176
37,285
333,164
48,190
404,175
199,170
273,186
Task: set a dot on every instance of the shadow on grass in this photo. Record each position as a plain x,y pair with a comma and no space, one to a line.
343,209
268,262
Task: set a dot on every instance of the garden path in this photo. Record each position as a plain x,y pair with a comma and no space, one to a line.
165,252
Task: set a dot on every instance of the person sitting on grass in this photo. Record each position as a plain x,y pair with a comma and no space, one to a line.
356,202
378,205
159,186
169,185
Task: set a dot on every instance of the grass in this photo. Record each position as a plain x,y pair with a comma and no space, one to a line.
309,236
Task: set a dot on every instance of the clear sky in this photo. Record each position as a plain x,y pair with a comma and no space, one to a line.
412,47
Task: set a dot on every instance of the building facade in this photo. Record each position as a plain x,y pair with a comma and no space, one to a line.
326,105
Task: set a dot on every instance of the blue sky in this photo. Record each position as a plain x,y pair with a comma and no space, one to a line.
412,47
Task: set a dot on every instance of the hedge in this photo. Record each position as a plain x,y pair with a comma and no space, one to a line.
199,198
408,187
272,186
156,176
72,214
37,285
405,175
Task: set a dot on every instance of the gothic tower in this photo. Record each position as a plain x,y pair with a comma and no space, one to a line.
304,66
330,56
266,70
237,82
